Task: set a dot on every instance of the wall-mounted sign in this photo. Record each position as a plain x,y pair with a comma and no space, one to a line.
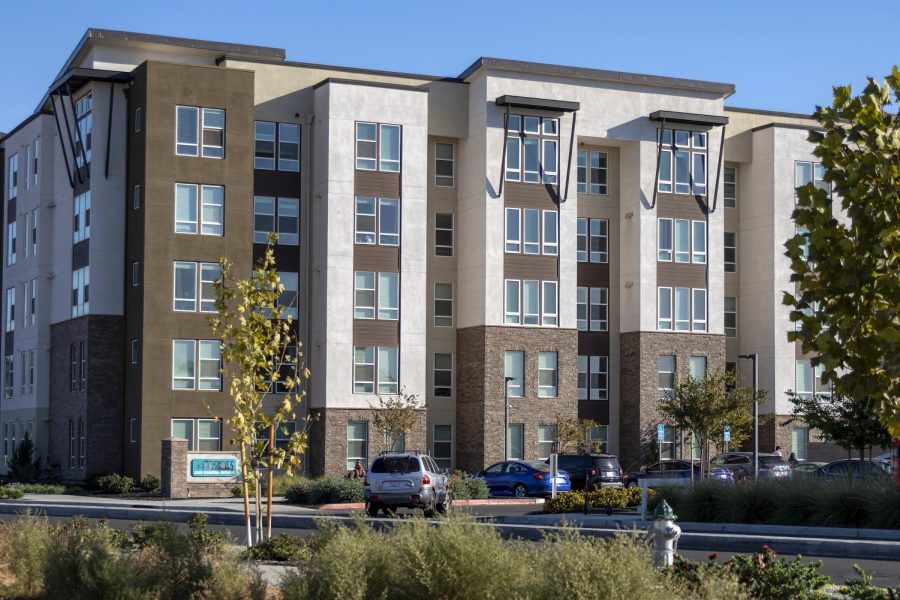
214,467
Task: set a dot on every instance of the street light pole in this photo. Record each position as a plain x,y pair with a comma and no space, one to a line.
755,416
506,381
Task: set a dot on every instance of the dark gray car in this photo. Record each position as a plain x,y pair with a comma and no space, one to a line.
406,480
741,465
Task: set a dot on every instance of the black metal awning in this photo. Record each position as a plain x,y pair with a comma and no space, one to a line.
671,116
537,103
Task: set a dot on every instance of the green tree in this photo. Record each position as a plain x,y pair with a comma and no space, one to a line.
705,405
260,351
572,435
395,416
845,265
23,466
849,423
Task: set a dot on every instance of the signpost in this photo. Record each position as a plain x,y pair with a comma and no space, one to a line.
727,436
660,437
554,472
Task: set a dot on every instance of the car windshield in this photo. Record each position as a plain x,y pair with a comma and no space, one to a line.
606,463
771,460
395,464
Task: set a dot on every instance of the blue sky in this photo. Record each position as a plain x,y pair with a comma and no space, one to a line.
782,55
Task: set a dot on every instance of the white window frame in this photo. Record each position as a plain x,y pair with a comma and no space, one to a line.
81,281
530,175
663,392
698,242
552,390
699,320
208,303
581,172
288,212
513,244
665,320
442,460
190,148
81,217
730,178
546,440
193,425
289,298
531,318
217,446
212,226
387,164
210,150
184,300
351,460
515,388
387,386
11,242
582,362
374,141
681,295
264,163
387,311
443,319
12,177
34,232
364,236
550,147
595,187
190,227
362,310
189,380
512,317
682,246
364,386
209,384
290,165
665,249
549,304
513,160
447,181
385,239
532,246
550,225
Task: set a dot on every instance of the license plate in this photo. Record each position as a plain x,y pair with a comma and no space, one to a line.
396,485
560,480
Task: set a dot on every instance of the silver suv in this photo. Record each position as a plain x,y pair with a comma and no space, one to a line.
406,480
741,465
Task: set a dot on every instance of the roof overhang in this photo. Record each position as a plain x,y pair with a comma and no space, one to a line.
671,116
537,103
77,77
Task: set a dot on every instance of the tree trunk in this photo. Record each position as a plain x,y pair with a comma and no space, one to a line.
269,479
246,489
256,478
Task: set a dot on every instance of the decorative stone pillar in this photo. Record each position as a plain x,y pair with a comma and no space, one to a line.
173,468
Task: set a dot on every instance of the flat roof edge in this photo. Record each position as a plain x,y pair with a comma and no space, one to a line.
771,113
168,40
788,126
294,63
24,123
376,84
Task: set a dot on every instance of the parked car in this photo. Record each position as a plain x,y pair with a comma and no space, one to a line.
406,480
806,469
520,479
675,473
595,470
741,465
853,468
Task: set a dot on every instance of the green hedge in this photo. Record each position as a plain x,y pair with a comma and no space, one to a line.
10,492
567,502
40,488
114,483
464,488
325,490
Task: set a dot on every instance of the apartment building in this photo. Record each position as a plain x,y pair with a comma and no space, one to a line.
516,243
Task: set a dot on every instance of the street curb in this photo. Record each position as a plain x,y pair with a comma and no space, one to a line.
483,502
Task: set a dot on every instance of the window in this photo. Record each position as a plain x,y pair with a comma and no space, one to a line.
388,222
9,365
582,240
803,375
442,446
582,171
443,234
599,309
73,368
135,274
549,309
208,435
81,223
443,375
83,126
698,243
23,363
664,308
530,299
698,367
357,443
264,145
596,437
287,299
135,350
547,375
667,444
730,252
682,309
34,231
531,230
513,231
386,146
364,295
699,312
800,442
664,246
27,167
12,177
81,285
546,441
443,305
599,240
689,153
539,146
593,378
443,164
366,143
365,220
32,301
184,429
389,296
35,156
581,313
666,371
389,144
136,197
186,130
185,286
512,304
582,363
598,173
185,375
11,243
209,274
191,133
82,443
213,133
138,112
515,441
364,370
731,317
212,209
514,371
288,147
682,241
263,218
551,233
823,390
810,172
730,180
82,373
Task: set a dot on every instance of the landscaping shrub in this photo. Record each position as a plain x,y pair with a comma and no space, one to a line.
10,492
114,483
150,483
283,548
39,488
325,490
768,576
23,550
462,487
280,486
566,502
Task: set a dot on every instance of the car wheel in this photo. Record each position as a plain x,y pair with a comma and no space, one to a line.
429,511
372,509
519,491
444,507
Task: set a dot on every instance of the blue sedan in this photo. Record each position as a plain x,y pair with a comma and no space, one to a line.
522,479
670,473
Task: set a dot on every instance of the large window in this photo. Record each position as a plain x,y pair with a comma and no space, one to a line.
12,177
800,442
698,242
664,308
599,309
514,371
666,372
683,154
276,143
682,241
809,382
730,256
443,164
442,446
10,309
276,215
288,298
204,435
375,368
443,234
187,355
357,444
593,240
377,147
532,231
731,317
681,309
581,312
381,226
592,172
531,302
81,291
11,243
697,367
810,172
532,149
546,441
593,378
731,186
443,375
443,305
199,131
191,277
387,294
547,375
515,441
211,209
81,220
84,123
